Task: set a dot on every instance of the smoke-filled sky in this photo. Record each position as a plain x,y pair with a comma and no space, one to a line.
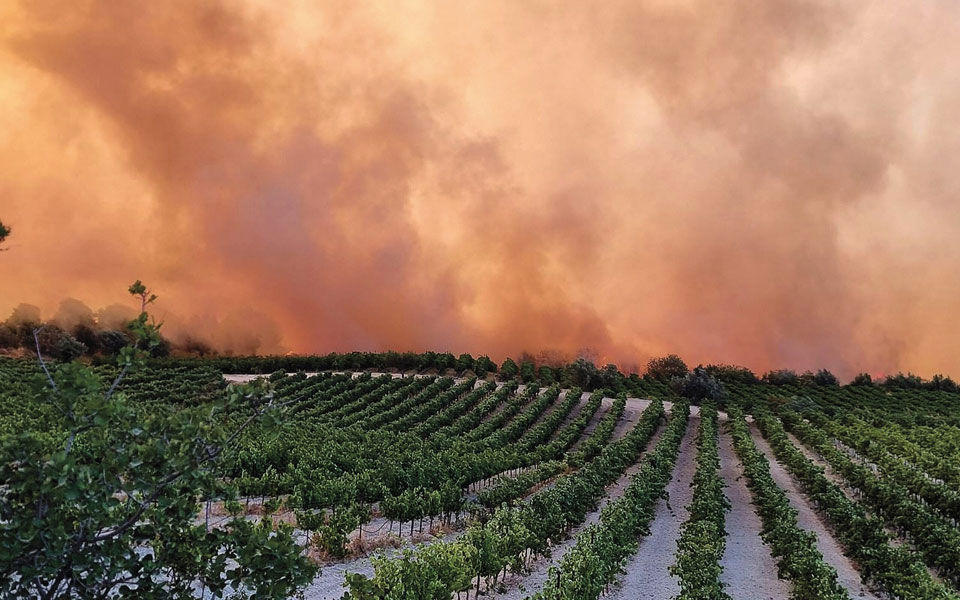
772,184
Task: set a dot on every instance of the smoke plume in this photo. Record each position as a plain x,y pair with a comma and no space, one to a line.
762,183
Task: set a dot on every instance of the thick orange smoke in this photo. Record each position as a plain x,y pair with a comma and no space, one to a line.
763,183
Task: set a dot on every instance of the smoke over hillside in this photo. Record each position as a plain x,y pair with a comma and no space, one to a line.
763,183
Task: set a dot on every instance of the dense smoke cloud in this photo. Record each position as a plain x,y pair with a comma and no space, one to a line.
768,184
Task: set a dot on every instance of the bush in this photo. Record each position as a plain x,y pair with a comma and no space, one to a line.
667,367
825,378
509,369
732,374
700,385
59,344
862,379
781,377
112,341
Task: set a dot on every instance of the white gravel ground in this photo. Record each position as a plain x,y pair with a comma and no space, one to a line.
647,571
808,519
749,570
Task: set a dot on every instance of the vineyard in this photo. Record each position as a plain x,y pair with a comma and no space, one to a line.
442,484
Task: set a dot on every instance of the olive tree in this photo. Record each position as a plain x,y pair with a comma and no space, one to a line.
106,507
667,367
699,385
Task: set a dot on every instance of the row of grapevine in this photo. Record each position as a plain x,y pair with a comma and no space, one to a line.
602,549
900,572
703,536
513,487
511,536
922,486
795,549
935,538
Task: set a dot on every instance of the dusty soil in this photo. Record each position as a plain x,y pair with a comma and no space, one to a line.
647,571
749,571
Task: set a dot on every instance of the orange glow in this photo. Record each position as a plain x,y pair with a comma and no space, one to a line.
764,183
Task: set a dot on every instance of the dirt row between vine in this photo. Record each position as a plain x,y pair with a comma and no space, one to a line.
749,570
648,570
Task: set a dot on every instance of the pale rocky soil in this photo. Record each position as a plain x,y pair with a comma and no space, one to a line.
647,571
749,571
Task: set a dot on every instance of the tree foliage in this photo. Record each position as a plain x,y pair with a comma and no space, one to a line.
509,369
667,367
781,377
700,385
107,508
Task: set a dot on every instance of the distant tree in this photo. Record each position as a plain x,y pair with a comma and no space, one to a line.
528,372
162,349
635,384
908,381
552,358
546,375
4,233
87,335
484,365
24,319
699,385
112,341
611,379
445,361
583,373
8,336
862,379
194,346
52,341
731,374
667,367
942,383
408,360
464,363
825,378
509,369
428,360
781,377
73,312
